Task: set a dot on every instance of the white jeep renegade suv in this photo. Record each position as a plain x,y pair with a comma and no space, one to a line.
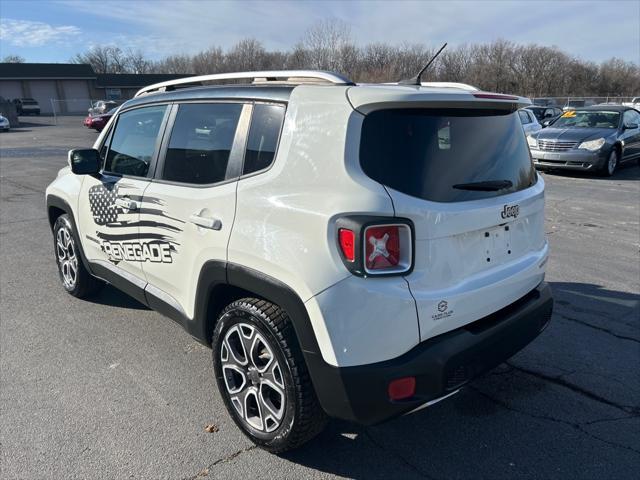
353,251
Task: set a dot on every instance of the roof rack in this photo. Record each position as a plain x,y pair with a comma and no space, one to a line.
289,76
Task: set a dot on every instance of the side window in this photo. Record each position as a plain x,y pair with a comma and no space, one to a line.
105,146
524,118
630,116
133,142
201,142
264,134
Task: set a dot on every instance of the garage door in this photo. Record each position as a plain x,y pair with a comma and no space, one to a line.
76,93
10,89
43,91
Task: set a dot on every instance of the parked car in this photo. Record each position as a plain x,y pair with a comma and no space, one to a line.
4,123
545,115
356,251
102,106
26,106
529,121
98,122
635,103
592,139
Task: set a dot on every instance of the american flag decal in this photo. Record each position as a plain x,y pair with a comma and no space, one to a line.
102,201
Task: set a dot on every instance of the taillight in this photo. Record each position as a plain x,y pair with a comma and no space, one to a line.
494,96
374,246
387,248
347,240
402,388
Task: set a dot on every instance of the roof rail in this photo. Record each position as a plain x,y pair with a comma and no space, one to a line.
293,76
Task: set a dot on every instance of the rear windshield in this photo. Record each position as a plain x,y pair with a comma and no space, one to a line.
431,154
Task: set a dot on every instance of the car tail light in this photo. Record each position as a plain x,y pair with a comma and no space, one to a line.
371,246
347,239
402,388
387,248
494,96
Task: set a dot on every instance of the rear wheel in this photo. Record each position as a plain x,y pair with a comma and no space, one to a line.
262,376
74,276
611,164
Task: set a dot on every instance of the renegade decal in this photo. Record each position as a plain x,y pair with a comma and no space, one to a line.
156,252
510,211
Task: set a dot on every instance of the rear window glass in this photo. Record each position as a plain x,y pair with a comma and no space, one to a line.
430,154
263,137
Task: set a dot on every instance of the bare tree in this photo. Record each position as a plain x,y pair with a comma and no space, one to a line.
503,66
13,59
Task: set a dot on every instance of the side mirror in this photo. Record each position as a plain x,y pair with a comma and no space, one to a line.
84,161
630,126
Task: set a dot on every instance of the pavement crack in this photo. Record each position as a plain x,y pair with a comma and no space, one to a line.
633,410
602,329
367,434
548,418
205,471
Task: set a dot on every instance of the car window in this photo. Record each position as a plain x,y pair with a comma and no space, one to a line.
524,118
264,133
426,153
588,119
631,116
200,143
134,141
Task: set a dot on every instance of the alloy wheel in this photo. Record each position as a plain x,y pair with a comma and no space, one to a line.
253,378
67,257
613,161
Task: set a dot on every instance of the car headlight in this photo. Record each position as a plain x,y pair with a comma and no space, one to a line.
532,141
592,145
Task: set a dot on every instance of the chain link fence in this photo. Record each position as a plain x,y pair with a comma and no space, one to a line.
578,102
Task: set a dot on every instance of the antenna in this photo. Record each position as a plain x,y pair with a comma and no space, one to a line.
417,79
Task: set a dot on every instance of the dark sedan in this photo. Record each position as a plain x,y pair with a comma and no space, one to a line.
595,138
98,122
545,115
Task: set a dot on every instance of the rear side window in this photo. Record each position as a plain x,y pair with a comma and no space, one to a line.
200,143
524,118
430,154
133,143
266,123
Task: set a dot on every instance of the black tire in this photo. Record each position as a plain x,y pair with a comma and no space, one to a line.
606,169
301,417
68,255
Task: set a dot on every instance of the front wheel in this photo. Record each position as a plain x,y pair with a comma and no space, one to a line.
609,167
262,376
74,276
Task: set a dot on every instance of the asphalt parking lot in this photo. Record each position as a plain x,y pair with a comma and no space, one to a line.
109,389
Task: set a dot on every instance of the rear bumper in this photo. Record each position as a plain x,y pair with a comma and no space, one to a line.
441,364
572,160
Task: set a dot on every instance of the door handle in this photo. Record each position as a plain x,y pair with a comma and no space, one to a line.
126,204
206,222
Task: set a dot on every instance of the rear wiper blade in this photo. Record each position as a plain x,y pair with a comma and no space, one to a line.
486,186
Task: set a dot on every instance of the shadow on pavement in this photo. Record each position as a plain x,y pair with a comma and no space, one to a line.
111,296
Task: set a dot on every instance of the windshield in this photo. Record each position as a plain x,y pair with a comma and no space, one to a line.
429,153
588,119
538,112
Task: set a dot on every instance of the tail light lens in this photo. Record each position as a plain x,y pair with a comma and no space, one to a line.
387,248
402,388
373,246
347,240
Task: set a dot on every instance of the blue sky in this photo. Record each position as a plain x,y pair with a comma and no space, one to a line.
54,30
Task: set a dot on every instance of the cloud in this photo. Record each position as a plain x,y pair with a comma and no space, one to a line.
26,33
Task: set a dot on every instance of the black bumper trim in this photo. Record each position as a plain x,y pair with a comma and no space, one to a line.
441,364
